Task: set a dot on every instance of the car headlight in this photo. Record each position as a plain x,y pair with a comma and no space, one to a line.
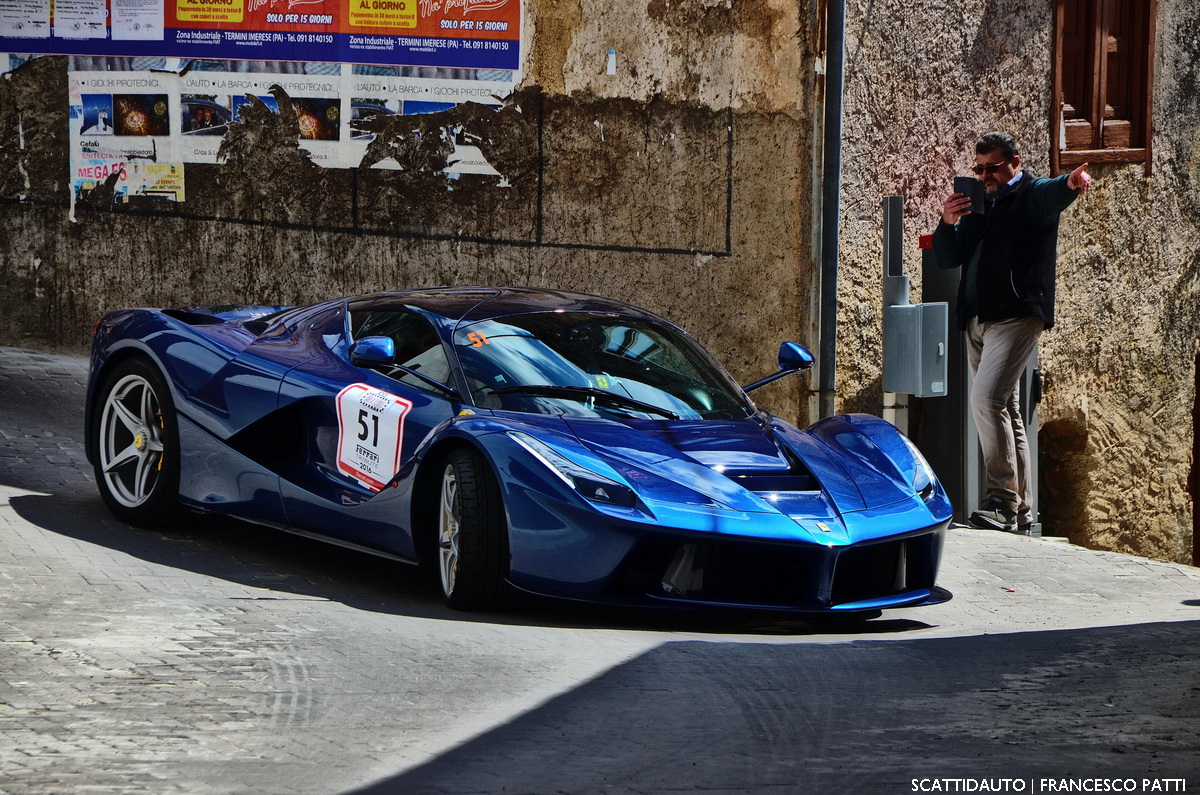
924,482
591,485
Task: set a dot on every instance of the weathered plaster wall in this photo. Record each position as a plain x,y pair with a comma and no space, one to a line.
923,83
685,183
1117,421
681,183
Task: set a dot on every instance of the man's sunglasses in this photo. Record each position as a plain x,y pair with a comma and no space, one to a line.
990,168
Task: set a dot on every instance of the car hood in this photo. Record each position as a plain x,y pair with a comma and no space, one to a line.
751,466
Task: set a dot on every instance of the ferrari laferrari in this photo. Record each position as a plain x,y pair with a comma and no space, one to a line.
511,440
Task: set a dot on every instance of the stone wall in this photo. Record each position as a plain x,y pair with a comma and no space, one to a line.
686,183
680,183
1116,421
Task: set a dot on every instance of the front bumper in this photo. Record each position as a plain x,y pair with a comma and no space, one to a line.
893,572
583,555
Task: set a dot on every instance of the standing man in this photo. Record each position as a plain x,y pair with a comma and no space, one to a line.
1005,301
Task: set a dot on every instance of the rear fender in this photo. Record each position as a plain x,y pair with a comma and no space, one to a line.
120,336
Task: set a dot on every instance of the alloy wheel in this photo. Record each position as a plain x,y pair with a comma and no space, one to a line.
131,441
449,524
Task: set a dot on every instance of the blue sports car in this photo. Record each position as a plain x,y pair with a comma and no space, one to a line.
513,440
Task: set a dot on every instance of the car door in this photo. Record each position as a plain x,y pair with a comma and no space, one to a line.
234,465
245,388
363,427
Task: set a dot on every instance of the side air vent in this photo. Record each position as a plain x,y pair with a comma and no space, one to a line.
193,318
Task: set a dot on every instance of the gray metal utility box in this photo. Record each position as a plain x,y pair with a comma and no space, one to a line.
914,348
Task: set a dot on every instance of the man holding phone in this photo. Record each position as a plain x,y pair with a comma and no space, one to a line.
1005,300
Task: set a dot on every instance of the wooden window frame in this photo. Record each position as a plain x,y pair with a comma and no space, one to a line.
1063,159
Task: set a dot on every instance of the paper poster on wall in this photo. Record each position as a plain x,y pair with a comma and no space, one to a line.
140,20
442,34
156,180
14,60
149,111
122,136
183,118
24,20
80,19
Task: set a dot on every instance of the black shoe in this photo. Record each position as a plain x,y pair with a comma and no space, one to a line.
995,515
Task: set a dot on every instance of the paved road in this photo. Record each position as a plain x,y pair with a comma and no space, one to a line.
226,658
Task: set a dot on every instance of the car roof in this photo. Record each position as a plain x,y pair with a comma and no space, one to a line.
472,304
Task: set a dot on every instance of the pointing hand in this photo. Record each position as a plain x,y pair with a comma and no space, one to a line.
1079,179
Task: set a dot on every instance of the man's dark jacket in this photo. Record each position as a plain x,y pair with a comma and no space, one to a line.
1015,243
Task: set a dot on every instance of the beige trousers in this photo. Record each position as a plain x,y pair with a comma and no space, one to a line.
997,352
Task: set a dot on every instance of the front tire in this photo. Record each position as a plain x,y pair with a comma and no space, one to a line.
472,552
135,442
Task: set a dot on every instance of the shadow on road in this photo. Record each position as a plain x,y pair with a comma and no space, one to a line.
280,563
852,717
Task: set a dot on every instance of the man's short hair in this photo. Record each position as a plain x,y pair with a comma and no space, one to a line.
997,140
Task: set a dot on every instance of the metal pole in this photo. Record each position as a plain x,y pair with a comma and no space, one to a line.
835,66
895,293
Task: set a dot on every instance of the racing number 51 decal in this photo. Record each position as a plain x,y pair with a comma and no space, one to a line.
370,434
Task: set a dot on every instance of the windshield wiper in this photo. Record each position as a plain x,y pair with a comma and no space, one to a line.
588,392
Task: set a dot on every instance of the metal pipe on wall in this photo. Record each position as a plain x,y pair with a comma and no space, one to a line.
835,67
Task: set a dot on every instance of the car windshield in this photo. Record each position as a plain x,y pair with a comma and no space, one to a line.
582,364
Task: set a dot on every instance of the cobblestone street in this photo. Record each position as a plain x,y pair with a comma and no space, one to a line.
224,657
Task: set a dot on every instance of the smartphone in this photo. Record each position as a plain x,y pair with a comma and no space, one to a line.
969,186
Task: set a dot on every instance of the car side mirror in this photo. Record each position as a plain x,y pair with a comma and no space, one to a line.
372,351
381,352
793,358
